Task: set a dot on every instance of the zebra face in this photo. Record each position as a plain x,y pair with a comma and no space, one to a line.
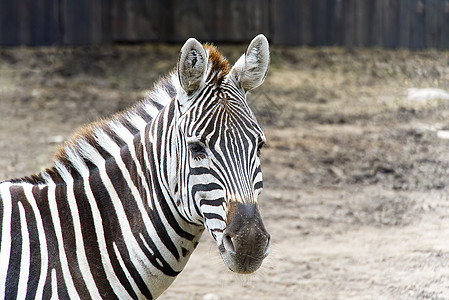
220,140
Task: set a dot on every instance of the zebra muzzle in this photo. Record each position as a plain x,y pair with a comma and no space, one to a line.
245,241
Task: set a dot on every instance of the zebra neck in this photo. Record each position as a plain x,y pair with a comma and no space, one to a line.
109,202
120,190
123,181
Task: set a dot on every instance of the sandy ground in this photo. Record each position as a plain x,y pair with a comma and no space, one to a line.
356,175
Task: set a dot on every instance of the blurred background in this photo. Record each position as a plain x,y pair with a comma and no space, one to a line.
355,109
412,24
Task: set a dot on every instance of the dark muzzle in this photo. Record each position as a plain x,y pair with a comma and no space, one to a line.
245,242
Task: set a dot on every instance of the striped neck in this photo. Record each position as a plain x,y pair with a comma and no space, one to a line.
113,179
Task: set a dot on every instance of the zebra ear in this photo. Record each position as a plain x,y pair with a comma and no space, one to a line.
251,69
191,65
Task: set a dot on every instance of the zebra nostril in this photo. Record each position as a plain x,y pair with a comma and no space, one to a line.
228,244
267,247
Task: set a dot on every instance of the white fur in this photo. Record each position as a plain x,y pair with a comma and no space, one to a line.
137,121
77,161
151,110
192,66
159,95
251,68
54,285
25,255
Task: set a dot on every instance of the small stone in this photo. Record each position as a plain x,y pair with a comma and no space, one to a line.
56,139
211,296
443,134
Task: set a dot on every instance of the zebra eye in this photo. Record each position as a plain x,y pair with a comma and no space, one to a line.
259,147
197,150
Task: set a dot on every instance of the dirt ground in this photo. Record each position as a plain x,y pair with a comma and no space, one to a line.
356,175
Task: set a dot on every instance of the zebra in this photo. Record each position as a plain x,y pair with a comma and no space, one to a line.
128,197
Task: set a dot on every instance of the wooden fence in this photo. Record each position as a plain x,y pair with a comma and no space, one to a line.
411,24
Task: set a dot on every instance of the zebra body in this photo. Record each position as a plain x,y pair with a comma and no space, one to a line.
123,208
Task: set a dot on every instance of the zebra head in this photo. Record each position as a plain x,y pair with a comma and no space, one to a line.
218,145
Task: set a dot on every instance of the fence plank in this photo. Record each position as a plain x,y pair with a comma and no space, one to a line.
319,22
444,38
431,23
378,23
44,25
287,19
237,21
95,21
388,23
403,24
360,26
440,29
417,32
9,23
348,21
75,22
137,20
362,23
391,23
335,26
305,22
24,28
195,18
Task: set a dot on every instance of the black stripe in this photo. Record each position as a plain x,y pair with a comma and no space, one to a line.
128,125
156,258
62,287
112,233
68,235
12,278
205,188
52,247
214,202
117,139
258,185
131,269
157,105
143,113
90,240
35,254
256,172
213,216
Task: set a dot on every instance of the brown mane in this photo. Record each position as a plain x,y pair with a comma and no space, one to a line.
220,65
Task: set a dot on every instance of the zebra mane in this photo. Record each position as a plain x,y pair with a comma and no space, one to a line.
219,66
133,119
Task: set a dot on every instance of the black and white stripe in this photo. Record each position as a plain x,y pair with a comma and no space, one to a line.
123,208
